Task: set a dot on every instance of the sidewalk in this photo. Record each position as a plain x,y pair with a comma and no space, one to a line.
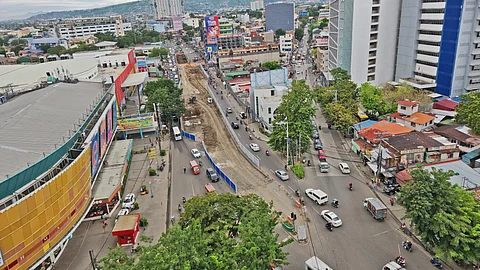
91,236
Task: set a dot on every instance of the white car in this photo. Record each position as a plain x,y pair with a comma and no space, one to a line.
282,175
196,153
254,147
344,168
229,110
123,212
330,216
128,201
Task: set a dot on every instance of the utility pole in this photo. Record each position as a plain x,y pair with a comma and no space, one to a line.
92,259
380,151
156,108
287,141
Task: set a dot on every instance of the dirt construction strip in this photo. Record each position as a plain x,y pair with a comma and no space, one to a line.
205,122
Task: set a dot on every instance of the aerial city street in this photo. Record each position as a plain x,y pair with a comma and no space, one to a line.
172,134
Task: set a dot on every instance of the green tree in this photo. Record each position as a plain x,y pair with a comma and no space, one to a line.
299,34
17,42
218,232
45,47
297,109
187,27
279,32
371,98
169,97
3,51
272,65
323,22
17,49
446,217
105,36
58,50
155,52
340,115
468,111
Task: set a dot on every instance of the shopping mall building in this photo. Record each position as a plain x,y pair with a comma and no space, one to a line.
53,139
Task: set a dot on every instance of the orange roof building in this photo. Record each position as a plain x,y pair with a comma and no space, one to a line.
388,129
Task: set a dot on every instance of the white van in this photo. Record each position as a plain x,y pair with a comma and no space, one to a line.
176,133
317,195
315,263
324,167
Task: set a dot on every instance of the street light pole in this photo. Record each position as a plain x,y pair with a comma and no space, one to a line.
287,141
156,108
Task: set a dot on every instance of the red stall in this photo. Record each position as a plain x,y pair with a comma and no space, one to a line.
126,229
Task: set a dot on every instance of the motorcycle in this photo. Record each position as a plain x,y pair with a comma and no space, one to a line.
436,262
308,163
179,208
250,136
267,153
297,192
329,226
184,200
350,187
408,246
335,203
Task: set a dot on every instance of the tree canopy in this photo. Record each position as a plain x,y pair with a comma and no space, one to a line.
446,217
156,52
279,32
168,96
468,111
297,109
299,34
217,232
372,100
272,65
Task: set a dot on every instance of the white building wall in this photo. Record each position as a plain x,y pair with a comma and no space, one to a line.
360,41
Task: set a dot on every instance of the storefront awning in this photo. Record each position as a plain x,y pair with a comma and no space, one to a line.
135,79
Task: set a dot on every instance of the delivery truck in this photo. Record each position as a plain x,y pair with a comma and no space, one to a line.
376,208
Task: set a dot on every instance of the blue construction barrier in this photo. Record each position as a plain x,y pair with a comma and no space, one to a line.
219,171
188,135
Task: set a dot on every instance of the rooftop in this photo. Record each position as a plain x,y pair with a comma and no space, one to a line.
467,177
110,177
445,104
458,133
106,44
417,117
33,125
126,223
413,140
386,127
407,102
364,124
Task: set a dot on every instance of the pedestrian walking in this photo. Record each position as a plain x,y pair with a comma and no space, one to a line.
286,167
375,185
184,170
392,201
302,201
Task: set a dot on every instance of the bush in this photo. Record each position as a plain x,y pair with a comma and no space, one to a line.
135,206
298,171
163,152
143,222
152,171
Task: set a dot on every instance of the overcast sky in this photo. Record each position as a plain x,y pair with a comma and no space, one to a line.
21,9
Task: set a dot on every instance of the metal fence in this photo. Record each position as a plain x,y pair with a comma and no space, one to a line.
189,135
244,149
219,171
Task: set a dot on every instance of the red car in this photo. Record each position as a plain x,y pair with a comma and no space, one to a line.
321,155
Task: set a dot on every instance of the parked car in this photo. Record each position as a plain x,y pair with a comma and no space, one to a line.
391,189
344,168
254,147
196,153
235,125
243,115
282,175
315,134
212,175
330,216
122,212
128,201
321,156
317,144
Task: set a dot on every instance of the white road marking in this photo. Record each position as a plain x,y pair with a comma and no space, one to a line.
316,210
277,193
380,233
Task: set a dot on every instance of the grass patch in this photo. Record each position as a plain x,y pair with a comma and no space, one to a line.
298,171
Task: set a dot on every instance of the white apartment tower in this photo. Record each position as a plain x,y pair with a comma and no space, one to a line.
168,8
82,27
363,39
439,45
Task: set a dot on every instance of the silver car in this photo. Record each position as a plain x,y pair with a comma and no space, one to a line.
282,175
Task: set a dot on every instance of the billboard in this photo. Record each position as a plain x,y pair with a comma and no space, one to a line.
109,125
177,23
103,137
213,30
114,115
136,122
95,156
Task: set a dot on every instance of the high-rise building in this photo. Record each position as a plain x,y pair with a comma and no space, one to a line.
82,27
363,39
168,8
280,16
257,5
439,45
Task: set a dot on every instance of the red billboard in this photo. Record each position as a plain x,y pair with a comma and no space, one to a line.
213,30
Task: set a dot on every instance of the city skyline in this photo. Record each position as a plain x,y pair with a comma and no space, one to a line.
22,9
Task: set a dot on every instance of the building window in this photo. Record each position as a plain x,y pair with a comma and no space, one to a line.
272,92
403,108
427,53
412,124
431,122
269,120
426,63
450,155
269,110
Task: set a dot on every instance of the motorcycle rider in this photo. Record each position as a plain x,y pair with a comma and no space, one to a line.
335,202
329,226
184,200
407,244
350,186
267,153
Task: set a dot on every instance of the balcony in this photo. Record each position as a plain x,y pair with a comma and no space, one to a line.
429,48
432,16
431,27
427,58
437,5
432,38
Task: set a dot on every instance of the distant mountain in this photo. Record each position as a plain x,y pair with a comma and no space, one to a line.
142,6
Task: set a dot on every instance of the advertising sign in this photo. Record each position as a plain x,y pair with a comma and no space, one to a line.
152,152
135,123
103,137
95,156
177,23
114,115
109,125
213,30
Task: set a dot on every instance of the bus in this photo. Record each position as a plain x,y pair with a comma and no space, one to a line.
177,134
